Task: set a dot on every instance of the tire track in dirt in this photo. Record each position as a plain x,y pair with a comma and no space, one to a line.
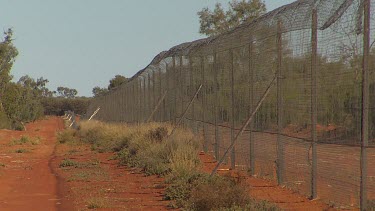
27,179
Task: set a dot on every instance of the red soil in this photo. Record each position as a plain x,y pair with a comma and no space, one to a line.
27,180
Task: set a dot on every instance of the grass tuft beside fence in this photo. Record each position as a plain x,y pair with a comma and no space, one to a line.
149,147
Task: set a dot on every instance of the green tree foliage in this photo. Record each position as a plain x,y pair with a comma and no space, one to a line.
38,86
27,99
8,54
97,91
19,102
117,81
218,21
66,92
58,105
113,83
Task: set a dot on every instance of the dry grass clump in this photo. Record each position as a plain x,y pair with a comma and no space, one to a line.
371,205
217,192
97,203
175,157
25,140
66,136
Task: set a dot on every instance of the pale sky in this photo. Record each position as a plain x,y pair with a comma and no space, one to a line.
84,43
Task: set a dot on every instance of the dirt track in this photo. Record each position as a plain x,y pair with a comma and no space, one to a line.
27,181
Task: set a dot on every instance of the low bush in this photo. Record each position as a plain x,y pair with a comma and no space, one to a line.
174,157
253,205
212,193
66,136
97,202
21,150
68,163
25,140
371,205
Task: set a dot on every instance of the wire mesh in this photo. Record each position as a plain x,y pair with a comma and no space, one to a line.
283,142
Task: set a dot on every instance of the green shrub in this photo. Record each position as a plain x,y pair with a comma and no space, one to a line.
21,150
68,163
66,136
179,188
212,193
25,140
58,105
97,202
21,141
371,205
127,157
176,157
158,134
253,205
4,121
120,144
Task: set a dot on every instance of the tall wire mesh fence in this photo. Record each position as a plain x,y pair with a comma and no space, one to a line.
315,131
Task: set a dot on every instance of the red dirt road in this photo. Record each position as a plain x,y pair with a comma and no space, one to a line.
27,181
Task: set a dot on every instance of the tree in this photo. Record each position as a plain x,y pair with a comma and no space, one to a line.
218,21
97,91
113,83
8,54
117,81
38,86
66,92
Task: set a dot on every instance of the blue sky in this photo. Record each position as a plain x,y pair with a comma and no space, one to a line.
84,43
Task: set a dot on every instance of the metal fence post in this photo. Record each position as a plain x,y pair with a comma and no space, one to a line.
216,90
182,80
192,87
127,107
140,94
174,82
280,147
251,107
132,103
168,104
161,112
205,145
149,94
233,151
128,103
365,105
144,96
135,109
153,93
314,111
136,102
